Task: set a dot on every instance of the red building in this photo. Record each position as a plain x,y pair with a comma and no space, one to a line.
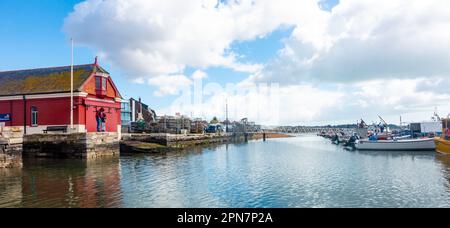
33,100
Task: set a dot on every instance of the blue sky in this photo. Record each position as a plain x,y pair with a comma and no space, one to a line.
31,36
298,46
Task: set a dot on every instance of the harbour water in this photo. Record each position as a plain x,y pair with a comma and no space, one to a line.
305,171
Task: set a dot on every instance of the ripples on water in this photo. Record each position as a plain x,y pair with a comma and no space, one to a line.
305,171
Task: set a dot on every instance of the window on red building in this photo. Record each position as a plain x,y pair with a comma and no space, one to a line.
34,117
100,85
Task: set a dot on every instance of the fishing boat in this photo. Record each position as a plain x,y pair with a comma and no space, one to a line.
424,144
351,142
443,142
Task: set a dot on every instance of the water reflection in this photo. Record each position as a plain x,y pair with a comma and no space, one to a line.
63,183
10,187
445,161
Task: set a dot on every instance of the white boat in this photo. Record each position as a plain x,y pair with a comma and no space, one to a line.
397,145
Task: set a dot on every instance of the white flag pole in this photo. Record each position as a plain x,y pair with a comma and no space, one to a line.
71,88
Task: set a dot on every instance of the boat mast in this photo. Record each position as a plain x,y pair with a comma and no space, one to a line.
226,130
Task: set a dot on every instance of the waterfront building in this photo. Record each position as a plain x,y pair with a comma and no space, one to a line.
134,111
38,100
140,110
125,113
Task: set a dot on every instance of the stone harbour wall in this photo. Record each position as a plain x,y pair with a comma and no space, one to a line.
11,147
102,145
10,155
148,138
78,145
182,141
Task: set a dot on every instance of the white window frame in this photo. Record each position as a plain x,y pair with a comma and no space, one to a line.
34,117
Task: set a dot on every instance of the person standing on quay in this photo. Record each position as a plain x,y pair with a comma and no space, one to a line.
103,118
100,117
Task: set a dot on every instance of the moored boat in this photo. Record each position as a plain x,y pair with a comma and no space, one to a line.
443,142
426,144
442,145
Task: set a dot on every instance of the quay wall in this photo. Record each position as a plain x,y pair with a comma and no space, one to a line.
11,148
182,141
10,155
79,145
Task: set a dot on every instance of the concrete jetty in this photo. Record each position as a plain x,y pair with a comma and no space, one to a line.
181,141
161,143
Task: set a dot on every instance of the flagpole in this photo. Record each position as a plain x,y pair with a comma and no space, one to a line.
71,87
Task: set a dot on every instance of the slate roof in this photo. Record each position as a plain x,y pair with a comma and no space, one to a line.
45,80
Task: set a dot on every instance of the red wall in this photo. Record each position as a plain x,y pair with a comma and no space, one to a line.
51,111
56,111
112,111
11,107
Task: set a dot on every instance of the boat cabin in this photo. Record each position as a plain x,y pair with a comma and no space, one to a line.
446,128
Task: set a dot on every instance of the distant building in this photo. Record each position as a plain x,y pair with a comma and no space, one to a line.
134,111
33,100
244,126
137,108
126,115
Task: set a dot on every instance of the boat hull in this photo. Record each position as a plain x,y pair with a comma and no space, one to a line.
400,145
442,146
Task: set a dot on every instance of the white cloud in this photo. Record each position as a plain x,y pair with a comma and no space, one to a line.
358,40
148,38
366,40
198,75
169,85
265,104
387,58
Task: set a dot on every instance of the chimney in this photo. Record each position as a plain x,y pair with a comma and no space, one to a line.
96,61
